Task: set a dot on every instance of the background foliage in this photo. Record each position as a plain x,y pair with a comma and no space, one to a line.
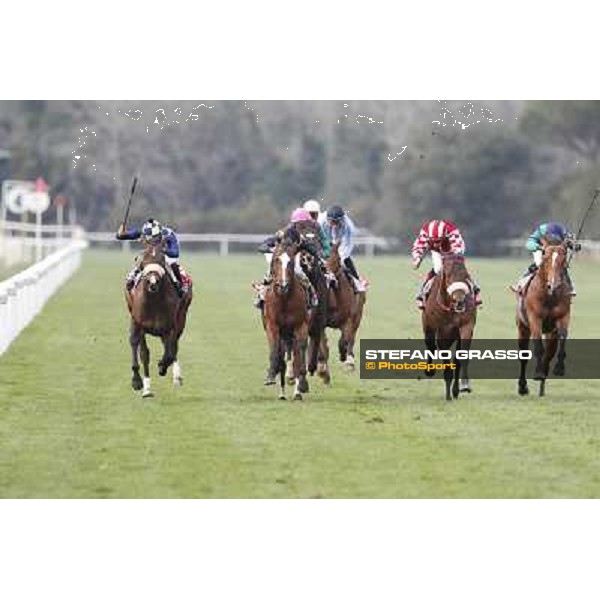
496,168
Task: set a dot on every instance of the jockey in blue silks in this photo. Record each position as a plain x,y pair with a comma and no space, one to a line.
340,229
153,233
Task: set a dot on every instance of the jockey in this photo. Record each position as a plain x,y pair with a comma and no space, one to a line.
550,233
153,233
439,237
339,228
314,209
299,215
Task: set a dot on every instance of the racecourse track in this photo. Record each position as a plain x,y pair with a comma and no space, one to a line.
70,425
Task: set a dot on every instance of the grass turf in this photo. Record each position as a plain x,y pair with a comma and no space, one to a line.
70,425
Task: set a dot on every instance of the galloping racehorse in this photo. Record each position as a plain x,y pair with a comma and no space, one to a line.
155,309
545,308
345,309
449,318
286,319
311,265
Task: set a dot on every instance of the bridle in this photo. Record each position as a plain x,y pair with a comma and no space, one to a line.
455,286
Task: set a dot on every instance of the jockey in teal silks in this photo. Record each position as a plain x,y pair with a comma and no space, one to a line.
153,233
550,233
314,210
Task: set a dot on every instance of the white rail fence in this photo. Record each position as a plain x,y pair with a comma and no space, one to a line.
25,242
224,241
23,295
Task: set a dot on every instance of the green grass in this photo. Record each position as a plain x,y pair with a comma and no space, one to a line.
70,425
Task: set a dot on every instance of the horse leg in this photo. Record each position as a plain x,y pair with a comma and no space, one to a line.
169,354
549,352
351,336
289,371
275,357
300,343
524,335
342,345
456,373
145,356
135,334
177,375
466,337
535,327
323,366
347,337
563,332
430,344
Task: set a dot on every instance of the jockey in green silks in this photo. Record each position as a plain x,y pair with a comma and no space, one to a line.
550,233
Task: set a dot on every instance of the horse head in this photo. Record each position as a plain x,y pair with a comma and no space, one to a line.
153,267
456,282
334,262
282,266
553,267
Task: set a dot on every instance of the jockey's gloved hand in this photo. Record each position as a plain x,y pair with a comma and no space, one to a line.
416,263
575,246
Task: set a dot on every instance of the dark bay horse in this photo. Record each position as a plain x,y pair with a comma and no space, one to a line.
308,231
286,320
155,309
449,319
345,310
545,309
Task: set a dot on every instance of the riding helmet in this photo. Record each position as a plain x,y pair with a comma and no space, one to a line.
555,232
152,231
335,213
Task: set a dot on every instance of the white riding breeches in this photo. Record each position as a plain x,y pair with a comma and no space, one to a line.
537,258
436,259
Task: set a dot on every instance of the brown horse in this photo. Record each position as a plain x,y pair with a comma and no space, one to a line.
286,320
313,268
449,318
155,309
545,309
345,310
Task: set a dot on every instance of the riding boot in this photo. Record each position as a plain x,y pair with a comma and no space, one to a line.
477,293
349,264
421,294
179,287
524,279
131,278
570,283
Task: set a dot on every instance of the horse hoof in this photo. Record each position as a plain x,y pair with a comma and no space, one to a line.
178,381
455,394
559,370
523,390
465,389
269,381
162,370
282,397
297,396
147,394
136,384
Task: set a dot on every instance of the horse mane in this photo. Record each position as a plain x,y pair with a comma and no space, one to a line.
456,264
